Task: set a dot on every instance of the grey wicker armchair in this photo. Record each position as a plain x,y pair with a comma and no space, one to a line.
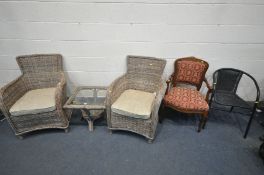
133,100
34,100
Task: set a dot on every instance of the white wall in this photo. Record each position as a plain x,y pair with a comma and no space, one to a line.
94,36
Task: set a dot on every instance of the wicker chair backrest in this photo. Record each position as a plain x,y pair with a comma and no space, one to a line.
145,65
40,70
40,63
144,73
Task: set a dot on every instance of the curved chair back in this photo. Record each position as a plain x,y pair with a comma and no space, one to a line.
227,80
190,70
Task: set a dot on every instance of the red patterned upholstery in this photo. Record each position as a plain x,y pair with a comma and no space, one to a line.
190,71
186,99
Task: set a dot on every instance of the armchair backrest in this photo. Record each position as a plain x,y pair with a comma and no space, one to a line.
40,63
190,70
145,65
145,73
40,70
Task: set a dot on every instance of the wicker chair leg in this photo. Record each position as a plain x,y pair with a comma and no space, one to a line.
110,131
150,140
20,137
66,130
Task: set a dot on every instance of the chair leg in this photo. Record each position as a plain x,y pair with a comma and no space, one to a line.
200,124
66,130
203,120
249,124
110,131
2,120
150,140
161,117
205,116
20,137
211,99
204,123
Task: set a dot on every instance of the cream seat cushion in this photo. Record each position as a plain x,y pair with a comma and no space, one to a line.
134,103
34,102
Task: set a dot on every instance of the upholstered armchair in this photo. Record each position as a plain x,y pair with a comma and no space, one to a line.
133,100
188,71
34,100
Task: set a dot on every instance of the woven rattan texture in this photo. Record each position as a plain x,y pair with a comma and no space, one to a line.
38,71
144,73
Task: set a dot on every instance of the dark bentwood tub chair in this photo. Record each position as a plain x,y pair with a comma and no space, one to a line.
225,84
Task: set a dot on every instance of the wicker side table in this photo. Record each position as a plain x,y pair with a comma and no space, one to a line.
90,100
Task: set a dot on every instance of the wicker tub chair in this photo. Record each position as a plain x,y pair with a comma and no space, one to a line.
21,100
143,74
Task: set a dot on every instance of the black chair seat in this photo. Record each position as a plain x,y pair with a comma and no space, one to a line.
230,99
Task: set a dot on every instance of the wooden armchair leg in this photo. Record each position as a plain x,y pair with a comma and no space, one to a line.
200,124
205,116
203,121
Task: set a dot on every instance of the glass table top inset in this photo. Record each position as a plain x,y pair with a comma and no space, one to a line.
87,96
90,97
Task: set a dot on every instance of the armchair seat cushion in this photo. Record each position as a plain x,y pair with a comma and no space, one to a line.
134,103
186,99
34,102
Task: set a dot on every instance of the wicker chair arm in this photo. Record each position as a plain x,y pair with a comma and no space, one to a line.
159,96
210,89
60,94
10,93
116,88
